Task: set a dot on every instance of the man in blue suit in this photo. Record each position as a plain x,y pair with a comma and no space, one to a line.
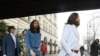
11,46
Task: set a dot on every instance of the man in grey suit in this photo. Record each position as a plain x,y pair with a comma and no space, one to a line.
11,46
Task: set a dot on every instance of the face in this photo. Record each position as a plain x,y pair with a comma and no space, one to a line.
42,43
78,21
97,40
36,24
12,31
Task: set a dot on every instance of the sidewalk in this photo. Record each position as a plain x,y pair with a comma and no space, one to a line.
51,55
87,54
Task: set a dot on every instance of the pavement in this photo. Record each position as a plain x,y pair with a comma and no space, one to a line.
89,55
51,55
86,54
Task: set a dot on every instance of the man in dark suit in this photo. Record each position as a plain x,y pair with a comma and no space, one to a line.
11,46
82,50
94,48
0,47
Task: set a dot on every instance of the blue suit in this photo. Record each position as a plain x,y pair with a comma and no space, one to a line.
32,42
9,46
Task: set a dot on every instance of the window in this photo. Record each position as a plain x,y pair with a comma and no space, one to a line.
55,32
45,39
48,16
44,25
39,19
32,18
55,16
35,17
49,28
26,18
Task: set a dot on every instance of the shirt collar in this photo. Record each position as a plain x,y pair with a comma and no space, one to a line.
12,34
74,26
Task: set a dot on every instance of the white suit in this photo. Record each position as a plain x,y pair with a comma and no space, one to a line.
69,41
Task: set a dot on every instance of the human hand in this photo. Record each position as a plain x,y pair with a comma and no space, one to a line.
32,53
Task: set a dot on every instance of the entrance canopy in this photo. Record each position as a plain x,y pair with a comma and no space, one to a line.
21,8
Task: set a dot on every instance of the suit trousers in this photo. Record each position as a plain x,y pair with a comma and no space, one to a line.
16,54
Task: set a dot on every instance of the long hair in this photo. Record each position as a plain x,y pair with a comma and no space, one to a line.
32,27
72,19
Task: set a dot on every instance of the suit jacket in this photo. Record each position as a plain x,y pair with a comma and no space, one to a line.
0,47
9,46
69,40
94,49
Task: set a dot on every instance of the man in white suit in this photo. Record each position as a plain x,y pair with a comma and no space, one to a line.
70,37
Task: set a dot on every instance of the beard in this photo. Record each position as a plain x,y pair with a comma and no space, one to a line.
36,27
77,23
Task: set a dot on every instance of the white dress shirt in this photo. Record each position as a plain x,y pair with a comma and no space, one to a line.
14,38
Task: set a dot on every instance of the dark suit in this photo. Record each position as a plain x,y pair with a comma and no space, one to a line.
9,46
94,49
0,47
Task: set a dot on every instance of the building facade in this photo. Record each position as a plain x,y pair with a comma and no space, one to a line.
47,25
